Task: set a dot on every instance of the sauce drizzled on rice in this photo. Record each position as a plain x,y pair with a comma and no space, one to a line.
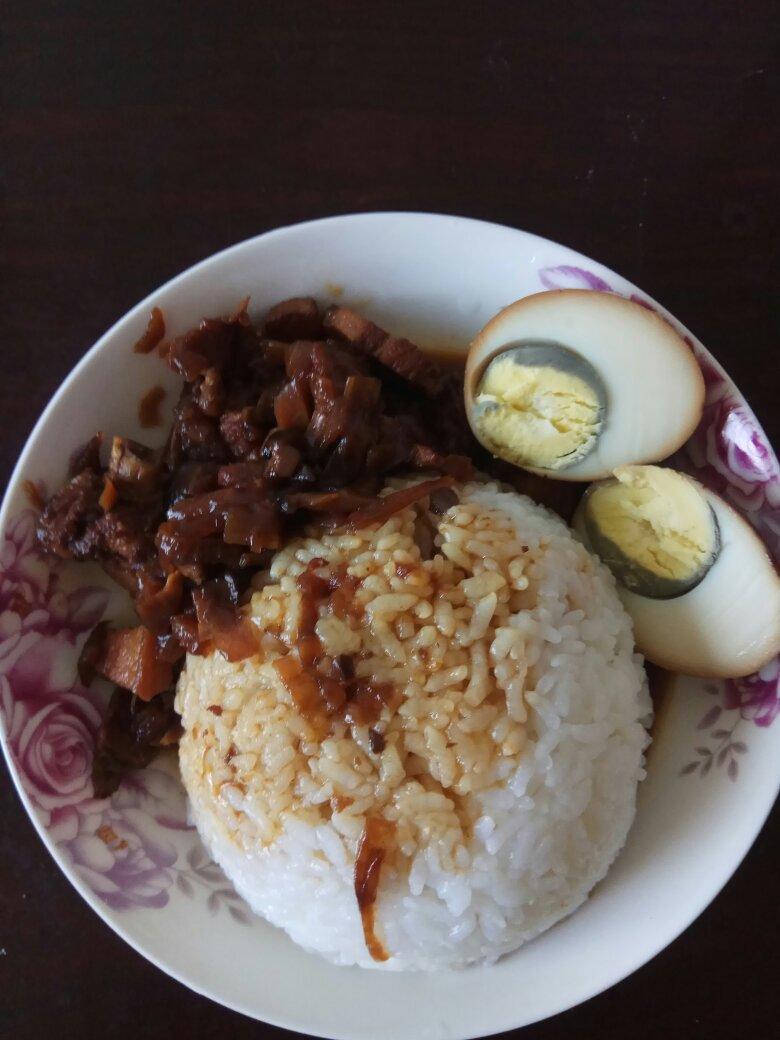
374,845
411,712
475,798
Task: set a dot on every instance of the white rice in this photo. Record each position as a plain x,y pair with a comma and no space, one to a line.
510,765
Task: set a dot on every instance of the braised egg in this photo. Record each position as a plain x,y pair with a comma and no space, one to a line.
696,579
572,384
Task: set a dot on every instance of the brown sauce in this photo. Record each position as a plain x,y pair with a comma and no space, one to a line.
366,699
374,846
149,408
33,495
376,741
451,359
383,508
155,330
337,588
294,420
323,688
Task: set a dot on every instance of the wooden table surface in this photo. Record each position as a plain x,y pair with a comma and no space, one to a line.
136,140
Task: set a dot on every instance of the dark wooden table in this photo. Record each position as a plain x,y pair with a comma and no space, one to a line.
136,141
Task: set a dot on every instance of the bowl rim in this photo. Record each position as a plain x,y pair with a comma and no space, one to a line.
584,991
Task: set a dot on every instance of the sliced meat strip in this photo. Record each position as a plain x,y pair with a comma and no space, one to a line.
399,355
296,318
383,508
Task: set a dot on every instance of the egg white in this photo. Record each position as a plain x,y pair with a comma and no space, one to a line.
654,387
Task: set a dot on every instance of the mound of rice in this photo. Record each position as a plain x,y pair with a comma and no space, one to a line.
509,768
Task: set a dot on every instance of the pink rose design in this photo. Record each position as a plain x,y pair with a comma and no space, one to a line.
124,854
17,637
757,697
729,454
54,750
715,385
39,667
50,723
29,587
747,454
734,448
565,276
24,576
121,848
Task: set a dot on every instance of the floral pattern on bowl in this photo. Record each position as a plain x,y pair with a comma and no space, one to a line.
755,699
133,858
729,453
132,848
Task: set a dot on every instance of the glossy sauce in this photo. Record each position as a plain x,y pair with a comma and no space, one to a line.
325,689
451,359
149,408
376,842
155,330
33,495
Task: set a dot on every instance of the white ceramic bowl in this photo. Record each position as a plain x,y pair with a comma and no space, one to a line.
713,770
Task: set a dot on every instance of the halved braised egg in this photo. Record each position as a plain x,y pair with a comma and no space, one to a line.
692,573
572,384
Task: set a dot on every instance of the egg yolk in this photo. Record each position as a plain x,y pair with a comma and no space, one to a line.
657,519
536,415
